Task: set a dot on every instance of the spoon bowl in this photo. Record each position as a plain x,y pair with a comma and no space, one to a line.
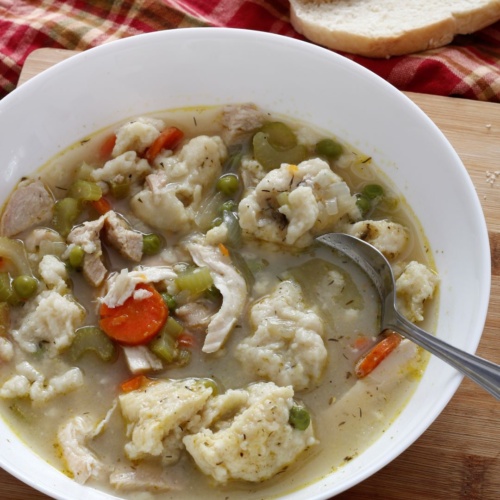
483,372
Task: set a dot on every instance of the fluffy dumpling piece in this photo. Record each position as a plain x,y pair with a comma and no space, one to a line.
293,203
254,440
128,166
155,416
287,345
137,135
388,237
51,319
175,190
414,287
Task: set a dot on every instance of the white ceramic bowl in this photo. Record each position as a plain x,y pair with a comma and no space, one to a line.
205,66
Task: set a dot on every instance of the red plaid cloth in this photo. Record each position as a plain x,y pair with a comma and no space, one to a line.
469,68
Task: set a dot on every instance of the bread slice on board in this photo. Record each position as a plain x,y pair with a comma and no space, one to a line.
384,28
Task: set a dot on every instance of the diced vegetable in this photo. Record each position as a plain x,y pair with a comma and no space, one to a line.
102,205
173,327
233,238
7,292
271,158
373,191
84,190
329,148
186,340
164,346
195,280
4,318
66,213
299,418
168,139
91,339
137,320
183,357
107,147
25,286
280,136
151,244
119,190
14,252
210,383
228,184
209,210
377,354
134,383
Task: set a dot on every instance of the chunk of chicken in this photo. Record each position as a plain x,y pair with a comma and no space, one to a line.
30,204
124,239
231,285
239,119
87,235
72,437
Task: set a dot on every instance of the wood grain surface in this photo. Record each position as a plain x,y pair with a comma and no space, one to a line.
459,455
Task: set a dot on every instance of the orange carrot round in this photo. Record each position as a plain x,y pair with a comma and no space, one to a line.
168,139
134,383
377,354
136,321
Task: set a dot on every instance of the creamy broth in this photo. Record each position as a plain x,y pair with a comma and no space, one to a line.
347,414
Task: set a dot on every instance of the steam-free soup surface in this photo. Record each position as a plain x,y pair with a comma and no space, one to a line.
170,329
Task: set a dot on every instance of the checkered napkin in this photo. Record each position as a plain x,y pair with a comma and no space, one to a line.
469,68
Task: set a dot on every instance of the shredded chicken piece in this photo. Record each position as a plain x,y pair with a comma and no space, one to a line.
72,437
231,285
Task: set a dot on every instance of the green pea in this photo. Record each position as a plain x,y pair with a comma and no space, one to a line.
25,286
364,204
151,244
169,301
329,148
373,191
299,418
76,255
229,184
216,222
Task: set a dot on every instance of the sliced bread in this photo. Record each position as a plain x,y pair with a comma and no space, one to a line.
384,28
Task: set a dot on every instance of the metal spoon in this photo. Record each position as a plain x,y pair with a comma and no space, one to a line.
483,372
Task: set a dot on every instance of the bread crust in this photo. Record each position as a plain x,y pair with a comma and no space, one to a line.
398,42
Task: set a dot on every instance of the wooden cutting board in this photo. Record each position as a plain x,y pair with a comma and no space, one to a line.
459,455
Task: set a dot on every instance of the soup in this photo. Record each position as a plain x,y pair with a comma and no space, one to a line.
170,328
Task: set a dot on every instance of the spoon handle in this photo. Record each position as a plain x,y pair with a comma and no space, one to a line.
483,372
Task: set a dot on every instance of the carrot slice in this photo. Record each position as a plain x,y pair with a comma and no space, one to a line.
134,383
186,340
136,321
223,250
102,205
377,354
168,139
107,147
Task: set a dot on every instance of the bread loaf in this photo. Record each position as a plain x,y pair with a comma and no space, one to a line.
383,28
